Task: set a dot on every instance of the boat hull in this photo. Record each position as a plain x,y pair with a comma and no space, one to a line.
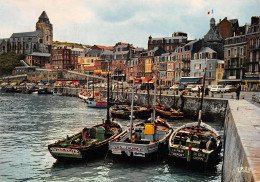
95,104
146,146
169,114
57,94
132,149
194,143
71,154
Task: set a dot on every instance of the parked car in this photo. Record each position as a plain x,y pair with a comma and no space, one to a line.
230,88
163,87
174,87
217,88
196,88
189,87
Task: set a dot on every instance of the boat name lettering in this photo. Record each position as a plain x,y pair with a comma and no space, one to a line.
198,154
198,158
64,150
178,153
128,148
178,150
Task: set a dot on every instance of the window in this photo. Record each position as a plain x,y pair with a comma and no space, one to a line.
256,67
210,66
251,57
219,76
228,53
210,74
250,68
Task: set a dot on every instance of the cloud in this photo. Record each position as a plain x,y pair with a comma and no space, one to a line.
109,21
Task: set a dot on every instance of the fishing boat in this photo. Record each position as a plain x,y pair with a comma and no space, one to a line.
120,111
84,95
168,112
42,89
57,91
195,141
124,111
146,139
88,143
96,103
143,139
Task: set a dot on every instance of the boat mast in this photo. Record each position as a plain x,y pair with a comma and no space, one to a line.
93,89
131,117
155,89
108,104
202,92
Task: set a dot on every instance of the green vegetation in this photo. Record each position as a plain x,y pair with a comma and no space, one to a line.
69,44
8,61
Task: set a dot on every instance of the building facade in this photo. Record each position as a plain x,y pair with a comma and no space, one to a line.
235,57
39,40
168,43
205,58
252,73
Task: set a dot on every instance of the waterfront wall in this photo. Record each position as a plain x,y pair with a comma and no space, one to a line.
214,109
242,142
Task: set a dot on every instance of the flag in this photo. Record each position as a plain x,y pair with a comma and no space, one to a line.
211,12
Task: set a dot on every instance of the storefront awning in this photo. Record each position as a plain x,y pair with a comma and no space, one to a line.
97,71
230,80
189,80
75,82
152,81
251,79
137,80
64,82
145,80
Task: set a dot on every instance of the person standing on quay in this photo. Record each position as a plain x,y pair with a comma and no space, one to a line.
182,99
238,91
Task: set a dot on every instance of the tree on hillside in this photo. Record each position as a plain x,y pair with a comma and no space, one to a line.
8,61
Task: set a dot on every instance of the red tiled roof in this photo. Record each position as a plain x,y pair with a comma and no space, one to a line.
104,47
122,43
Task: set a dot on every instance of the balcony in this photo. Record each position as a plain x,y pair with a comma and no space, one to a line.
185,59
185,69
233,56
237,66
256,47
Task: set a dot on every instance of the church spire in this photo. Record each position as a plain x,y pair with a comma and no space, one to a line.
43,17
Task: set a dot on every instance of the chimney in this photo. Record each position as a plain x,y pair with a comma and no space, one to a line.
219,20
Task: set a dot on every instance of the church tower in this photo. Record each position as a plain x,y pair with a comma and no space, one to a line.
45,40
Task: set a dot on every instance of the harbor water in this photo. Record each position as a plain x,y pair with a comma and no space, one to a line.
29,122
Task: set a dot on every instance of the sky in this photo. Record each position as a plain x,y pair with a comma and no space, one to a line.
106,22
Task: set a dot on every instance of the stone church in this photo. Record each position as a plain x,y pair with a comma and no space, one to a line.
27,43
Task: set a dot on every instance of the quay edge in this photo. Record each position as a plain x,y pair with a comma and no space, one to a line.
242,142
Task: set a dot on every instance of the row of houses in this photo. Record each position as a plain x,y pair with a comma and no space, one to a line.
229,52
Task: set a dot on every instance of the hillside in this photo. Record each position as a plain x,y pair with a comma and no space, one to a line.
8,61
69,44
